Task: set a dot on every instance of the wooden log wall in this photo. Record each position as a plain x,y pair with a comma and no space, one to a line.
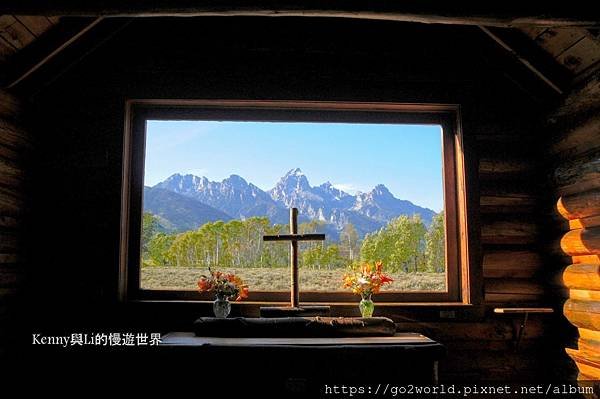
575,158
15,145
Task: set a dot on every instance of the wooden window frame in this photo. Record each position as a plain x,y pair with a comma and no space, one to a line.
459,267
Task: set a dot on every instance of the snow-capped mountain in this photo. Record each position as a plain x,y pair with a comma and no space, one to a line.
239,199
234,196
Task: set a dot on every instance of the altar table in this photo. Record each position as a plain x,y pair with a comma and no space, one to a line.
311,363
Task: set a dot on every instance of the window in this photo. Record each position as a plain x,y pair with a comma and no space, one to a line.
204,181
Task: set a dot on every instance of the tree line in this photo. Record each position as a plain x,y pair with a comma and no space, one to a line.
404,244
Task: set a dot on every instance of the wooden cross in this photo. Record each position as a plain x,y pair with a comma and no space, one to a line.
294,237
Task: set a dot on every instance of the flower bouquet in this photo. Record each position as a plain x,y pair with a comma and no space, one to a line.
226,286
366,281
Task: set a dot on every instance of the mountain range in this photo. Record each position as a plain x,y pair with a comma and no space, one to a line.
184,202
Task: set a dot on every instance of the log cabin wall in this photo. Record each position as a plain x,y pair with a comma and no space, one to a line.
15,146
81,115
574,156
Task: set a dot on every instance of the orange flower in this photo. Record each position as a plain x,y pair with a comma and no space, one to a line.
204,284
367,279
243,293
224,284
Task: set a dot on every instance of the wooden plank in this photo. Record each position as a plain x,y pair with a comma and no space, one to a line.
423,11
556,40
17,35
580,56
6,50
581,242
6,21
520,264
35,24
532,31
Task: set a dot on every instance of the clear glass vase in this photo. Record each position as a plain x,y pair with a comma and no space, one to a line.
366,306
221,306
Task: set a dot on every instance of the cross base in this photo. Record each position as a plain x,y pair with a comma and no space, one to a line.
288,311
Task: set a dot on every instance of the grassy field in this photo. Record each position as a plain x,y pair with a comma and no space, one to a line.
277,279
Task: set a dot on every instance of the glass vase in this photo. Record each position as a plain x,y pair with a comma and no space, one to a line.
366,306
221,306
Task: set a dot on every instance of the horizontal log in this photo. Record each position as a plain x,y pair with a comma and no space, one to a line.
504,168
588,346
9,204
587,365
9,258
513,286
582,276
9,242
508,232
462,13
578,175
583,314
589,335
581,242
581,205
13,136
11,176
579,140
507,203
583,294
9,222
10,154
10,278
521,264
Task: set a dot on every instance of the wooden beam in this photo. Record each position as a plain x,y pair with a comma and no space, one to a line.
508,13
542,65
58,50
36,61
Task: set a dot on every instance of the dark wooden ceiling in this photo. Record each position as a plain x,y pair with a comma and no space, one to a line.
18,31
574,50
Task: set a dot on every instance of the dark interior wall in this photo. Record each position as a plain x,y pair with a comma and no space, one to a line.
15,149
80,120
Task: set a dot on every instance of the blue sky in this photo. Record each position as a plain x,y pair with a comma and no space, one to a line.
353,157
